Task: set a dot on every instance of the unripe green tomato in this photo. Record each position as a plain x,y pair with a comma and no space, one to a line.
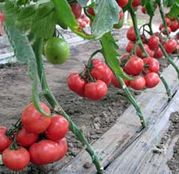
56,50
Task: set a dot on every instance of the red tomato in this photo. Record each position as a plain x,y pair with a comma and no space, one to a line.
144,39
152,79
140,53
129,46
25,138
90,10
4,139
138,83
76,83
96,90
143,9
33,121
47,151
116,84
158,53
76,9
134,66
2,17
152,65
170,45
153,42
168,21
163,30
131,34
122,3
174,26
101,72
136,3
63,148
58,128
16,159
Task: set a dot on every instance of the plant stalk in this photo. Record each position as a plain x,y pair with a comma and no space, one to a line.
38,46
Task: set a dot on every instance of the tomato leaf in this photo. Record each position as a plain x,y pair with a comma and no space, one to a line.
21,45
111,55
174,11
107,14
149,6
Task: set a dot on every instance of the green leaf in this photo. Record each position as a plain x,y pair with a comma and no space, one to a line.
20,43
168,3
43,24
174,11
150,6
65,14
107,14
111,55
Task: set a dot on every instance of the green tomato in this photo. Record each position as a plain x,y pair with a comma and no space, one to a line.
57,50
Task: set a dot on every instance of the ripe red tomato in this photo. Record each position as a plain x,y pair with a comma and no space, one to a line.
101,71
158,53
63,148
136,3
122,3
76,9
138,83
174,25
141,54
129,46
143,9
47,151
33,121
131,34
163,30
76,83
16,159
152,65
4,139
90,10
58,128
116,84
134,66
153,42
168,21
96,90
144,39
25,138
152,79
170,45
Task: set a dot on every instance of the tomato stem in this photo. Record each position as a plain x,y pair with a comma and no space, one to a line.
58,109
162,16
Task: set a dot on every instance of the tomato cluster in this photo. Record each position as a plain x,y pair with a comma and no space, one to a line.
39,140
172,25
82,19
93,82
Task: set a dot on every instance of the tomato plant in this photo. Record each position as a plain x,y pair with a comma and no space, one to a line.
43,129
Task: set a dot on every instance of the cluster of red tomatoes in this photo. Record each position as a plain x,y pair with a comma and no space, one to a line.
172,25
93,82
82,19
39,140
